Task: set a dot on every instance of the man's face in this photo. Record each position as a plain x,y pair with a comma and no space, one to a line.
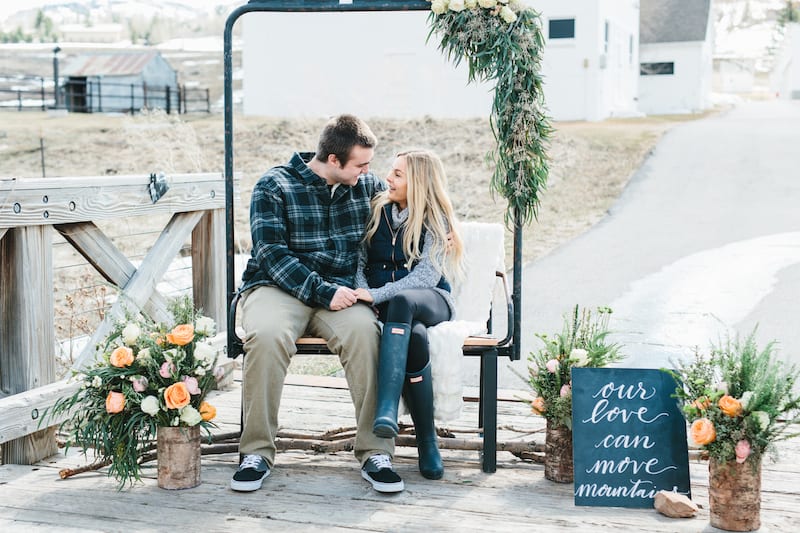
357,164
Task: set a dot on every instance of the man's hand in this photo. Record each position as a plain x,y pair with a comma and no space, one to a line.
364,295
344,298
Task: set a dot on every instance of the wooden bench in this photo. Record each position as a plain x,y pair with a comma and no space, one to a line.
486,346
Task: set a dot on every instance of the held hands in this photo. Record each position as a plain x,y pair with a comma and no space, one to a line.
343,298
364,295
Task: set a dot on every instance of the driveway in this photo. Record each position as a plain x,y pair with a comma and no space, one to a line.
704,240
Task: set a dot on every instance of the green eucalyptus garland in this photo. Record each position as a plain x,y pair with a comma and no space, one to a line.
501,40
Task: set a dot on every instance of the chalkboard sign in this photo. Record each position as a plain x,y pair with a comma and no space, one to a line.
629,437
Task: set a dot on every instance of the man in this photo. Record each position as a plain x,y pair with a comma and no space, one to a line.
307,219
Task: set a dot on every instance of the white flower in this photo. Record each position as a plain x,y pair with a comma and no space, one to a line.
469,4
516,5
439,6
143,355
130,333
456,5
204,353
746,400
487,3
580,356
204,325
97,382
170,355
190,416
200,372
508,15
150,405
761,418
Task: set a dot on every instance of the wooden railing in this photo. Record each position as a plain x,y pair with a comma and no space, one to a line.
35,211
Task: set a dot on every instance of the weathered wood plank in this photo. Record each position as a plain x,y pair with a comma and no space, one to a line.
100,252
209,265
141,286
3,233
64,200
27,340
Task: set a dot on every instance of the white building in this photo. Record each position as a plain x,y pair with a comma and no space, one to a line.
785,78
676,39
378,64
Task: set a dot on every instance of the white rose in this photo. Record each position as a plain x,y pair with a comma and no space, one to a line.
487,3
150,405
130,333
205,325
508,15
516,5
761,418
190,416
439,6
170,355
143,355
456,5
580,356
746,400
200,372
469,4
204,353
97,382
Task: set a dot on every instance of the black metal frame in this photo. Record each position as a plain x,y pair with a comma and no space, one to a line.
488,371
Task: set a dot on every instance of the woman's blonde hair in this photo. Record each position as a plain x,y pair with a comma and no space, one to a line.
429,207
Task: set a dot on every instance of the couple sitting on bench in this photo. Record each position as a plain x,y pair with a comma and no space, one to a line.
321,225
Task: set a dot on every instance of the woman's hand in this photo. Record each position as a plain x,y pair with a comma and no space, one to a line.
364,295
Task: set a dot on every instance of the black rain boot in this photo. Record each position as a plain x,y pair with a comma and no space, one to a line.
418,393
391,372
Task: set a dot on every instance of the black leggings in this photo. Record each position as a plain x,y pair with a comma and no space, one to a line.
420,308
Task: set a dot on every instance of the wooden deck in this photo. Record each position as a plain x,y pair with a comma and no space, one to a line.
325,491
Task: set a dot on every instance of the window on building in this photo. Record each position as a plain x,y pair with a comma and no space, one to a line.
561,29
656,69
605,38
630,49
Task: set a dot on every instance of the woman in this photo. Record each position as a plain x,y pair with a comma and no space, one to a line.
411,250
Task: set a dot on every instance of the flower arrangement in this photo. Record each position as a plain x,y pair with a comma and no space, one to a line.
502,41
583,342
739,399
146,375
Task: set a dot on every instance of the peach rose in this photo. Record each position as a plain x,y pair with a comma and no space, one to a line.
207,411
730,406
537,406
181,335
121,357
703,432
115,402
176,396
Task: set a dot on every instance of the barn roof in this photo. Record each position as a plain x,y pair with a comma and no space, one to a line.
109,64
668,21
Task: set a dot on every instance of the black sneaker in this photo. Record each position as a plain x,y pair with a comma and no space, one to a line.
251,473
378,471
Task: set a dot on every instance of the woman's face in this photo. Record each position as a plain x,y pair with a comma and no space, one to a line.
398,183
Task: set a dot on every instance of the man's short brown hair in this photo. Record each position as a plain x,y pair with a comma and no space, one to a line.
341,134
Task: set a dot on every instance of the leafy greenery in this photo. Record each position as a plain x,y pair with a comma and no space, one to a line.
738,398
583,342
502,42
147,375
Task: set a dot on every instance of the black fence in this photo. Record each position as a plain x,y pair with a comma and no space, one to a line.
81,95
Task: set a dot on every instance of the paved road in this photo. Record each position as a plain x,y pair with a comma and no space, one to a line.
705,239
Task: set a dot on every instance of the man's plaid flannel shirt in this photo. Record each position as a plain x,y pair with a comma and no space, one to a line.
304,241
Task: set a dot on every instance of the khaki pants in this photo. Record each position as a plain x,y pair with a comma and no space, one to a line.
273,320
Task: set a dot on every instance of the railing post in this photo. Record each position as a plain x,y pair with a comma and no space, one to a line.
132,100
27,342
208,266
41,82
208,101
168,98
19,100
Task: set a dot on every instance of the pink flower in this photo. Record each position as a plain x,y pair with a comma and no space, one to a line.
167,369
191,384
566,390
139,383
743,451
552,366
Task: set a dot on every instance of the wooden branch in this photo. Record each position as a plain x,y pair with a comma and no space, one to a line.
64,473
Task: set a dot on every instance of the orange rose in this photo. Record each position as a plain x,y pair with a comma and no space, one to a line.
115,402
181,335
207,411
702,403
703,431
537,406
730,406
121,357
177,396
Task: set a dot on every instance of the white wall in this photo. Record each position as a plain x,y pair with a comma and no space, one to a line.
685,91
370,64
785,79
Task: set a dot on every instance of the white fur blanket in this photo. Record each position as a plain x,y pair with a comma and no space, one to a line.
483,244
